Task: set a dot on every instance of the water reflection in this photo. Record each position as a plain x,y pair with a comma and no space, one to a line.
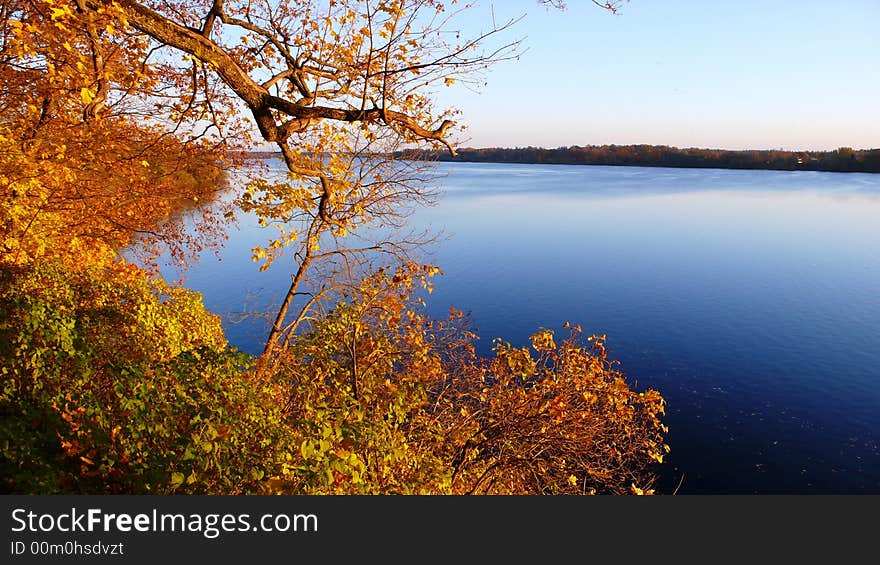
479,179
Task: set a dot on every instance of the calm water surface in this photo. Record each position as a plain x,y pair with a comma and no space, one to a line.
748,298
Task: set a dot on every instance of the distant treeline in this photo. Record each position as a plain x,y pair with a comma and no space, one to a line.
844,159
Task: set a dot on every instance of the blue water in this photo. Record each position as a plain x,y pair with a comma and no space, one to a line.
748,298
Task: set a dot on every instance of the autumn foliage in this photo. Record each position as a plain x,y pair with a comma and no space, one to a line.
389,401
113,382
84,171
118,123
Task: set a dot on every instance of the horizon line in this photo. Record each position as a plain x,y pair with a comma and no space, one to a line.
467,147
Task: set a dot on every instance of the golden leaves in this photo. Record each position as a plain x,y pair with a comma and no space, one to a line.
63,11
639,491
87,95
387,400
543,341
564,422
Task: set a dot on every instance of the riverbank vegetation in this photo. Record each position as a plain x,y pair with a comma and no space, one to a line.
119,121
841,160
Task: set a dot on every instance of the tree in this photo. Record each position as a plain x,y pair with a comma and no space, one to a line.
337,86
333,85
83,170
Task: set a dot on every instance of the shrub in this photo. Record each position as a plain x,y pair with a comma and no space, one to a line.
388,401
114,382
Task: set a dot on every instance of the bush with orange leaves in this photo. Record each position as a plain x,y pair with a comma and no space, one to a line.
554,419
387,400
117,383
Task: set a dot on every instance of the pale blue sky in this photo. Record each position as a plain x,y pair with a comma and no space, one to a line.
723,74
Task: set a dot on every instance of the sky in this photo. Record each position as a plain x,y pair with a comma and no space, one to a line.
727,74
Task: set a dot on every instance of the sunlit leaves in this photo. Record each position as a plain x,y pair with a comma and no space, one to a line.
116,119
113,382
376,368
376,398
87,95
543,341
86,173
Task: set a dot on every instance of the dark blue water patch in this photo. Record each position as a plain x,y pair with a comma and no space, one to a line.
748,298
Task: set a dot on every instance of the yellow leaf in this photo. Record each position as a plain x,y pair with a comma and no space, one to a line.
449,81
87,95
58,13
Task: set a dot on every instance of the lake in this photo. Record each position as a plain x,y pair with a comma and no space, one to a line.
749,299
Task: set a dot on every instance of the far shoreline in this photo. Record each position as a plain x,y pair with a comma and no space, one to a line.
841,160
